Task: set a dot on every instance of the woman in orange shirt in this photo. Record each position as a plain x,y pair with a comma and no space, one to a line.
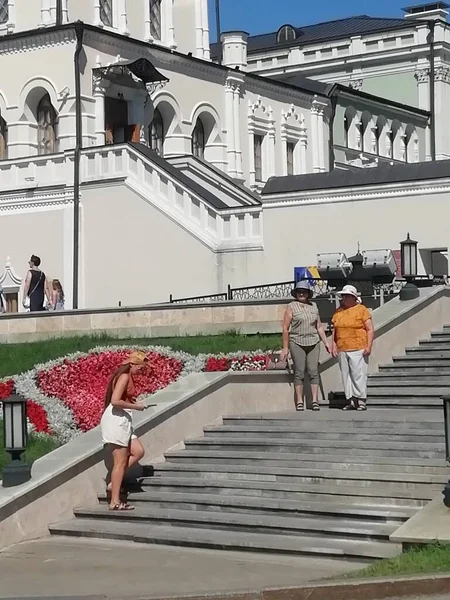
352,345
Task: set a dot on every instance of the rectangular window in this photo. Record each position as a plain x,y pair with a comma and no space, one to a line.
155,19
258,157
106,12
290,158
4,12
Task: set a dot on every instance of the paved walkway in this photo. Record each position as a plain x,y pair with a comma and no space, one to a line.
55,568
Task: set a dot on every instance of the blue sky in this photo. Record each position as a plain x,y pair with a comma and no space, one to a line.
261,16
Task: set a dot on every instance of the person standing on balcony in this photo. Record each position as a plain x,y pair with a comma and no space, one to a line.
302,332
117,425
352,344
36,287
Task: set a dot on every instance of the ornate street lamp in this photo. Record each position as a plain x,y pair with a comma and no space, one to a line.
446,490
408,251
15,436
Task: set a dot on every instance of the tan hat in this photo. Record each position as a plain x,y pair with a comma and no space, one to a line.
348,290
137,357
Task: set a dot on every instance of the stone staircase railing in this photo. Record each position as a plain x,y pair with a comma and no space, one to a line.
221,229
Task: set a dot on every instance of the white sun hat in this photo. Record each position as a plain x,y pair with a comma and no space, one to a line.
349,290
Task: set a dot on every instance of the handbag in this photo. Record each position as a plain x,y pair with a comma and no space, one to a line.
275,363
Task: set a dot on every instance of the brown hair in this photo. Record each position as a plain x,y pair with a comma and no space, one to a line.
56,285
112,382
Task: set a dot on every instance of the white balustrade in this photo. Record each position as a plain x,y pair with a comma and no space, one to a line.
236,228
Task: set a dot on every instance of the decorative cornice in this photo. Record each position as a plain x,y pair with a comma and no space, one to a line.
10,202
373,192
422,75
44,39
442,74
356,84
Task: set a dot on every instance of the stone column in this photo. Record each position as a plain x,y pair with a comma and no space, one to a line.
205,22
270,163
230,123
237,128
122,13
423,82
315,136
303,141
198,29
321,134
98,92
46,16
11,24
251,158
169,29
442,118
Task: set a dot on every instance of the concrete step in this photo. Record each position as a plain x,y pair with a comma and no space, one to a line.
405,364
437,341
430,381
139,532
433,404
328,419
427,353
309,461
431,358
298,475
429,376
291,491
341,447
273,432
349,427
306,525
352,506
397,390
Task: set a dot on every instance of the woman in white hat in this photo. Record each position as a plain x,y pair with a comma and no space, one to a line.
302,332
352,345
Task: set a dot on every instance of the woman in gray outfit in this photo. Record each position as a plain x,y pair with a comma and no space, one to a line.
302,332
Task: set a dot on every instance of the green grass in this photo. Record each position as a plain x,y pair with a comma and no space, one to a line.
37,446
426,559
17,358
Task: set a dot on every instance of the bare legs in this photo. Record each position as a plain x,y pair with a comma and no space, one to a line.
120,462
315,393
299,405
123,459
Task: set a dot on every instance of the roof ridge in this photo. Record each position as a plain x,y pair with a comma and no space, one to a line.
352,18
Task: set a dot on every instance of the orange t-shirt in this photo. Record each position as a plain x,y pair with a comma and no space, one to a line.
348,323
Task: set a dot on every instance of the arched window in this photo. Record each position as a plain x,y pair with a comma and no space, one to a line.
4,11
3,139
198,140
155,19
286,34
156,133
46,121
106,13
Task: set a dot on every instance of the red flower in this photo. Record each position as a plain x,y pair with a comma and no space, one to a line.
6,388
216,364
81,384
38,417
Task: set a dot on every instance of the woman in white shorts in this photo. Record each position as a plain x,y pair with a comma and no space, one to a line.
117,425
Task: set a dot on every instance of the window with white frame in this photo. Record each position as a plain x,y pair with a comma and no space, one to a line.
155,19
46,122
4,11
156,136
258,155
3,139
290,151
198,140
106,8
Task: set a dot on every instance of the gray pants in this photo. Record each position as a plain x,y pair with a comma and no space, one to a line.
305,358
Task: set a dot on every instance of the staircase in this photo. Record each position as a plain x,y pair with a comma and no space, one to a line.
332,483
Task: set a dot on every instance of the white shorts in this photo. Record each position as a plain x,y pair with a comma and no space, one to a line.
117,427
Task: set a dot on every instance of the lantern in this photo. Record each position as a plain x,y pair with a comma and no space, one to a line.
408,251
15,436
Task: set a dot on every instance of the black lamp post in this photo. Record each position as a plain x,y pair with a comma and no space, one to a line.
408,251
446,490
15,435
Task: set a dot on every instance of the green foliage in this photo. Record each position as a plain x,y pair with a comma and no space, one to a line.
38,445
424,559
17,358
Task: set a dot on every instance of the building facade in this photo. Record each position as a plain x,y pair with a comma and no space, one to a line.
135,166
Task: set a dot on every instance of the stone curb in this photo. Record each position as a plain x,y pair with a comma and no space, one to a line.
379,589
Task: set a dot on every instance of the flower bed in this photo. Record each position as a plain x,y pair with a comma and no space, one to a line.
65,396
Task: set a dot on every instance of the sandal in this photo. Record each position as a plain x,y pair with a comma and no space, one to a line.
361,405
350,406
122,506
300,407
315,406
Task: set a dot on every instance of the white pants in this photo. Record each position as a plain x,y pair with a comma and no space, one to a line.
353,367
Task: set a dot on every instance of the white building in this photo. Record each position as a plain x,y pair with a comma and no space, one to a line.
387,57
131,159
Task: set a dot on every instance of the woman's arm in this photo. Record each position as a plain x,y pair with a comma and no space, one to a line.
286,326
322,334
370,332
119,390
